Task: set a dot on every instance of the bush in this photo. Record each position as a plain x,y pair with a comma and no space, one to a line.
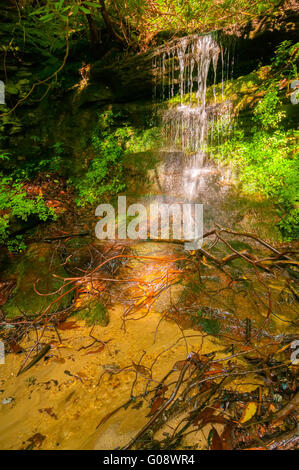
14,203
110,143
265,153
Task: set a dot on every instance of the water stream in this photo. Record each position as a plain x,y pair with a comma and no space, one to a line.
183,70
61,400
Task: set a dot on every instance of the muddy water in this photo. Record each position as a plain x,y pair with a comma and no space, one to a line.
53,409
60,401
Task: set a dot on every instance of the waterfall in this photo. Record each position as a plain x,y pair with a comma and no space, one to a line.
183,68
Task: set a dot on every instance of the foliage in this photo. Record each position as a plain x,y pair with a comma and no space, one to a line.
52,33
54,163
286,59
105,169
110,144
37,163
135,22
265,153
266,112
16,205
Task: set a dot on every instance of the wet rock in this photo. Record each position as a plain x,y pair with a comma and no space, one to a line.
95,93
7,401
95,313
77,256
36,267
128,77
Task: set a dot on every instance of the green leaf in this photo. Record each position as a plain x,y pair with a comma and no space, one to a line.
85,10
47,17
93,5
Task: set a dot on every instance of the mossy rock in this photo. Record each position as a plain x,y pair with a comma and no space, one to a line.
95,93
239,245
37,266
94,314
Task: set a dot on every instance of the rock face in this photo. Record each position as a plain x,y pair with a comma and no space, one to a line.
256,43
95,93
130,78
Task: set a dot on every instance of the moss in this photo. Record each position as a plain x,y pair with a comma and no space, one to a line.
211,326
239,246
241,91
94,314
37,267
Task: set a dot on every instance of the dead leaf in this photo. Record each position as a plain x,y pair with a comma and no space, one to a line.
141,370
156,405
36,359
214,372
216,441
36,440
162,390
67,325
205,415
15,347
179,365
249,411
99,349
227,437
272,408
59,360
49,411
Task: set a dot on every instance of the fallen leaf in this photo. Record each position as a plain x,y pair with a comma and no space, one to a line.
59,360
214,372
162,390
205,415
227,437
272,408
36,440
141,370
99,349
249,411
67,325
179,365
156,405
15,347
49,411
216,441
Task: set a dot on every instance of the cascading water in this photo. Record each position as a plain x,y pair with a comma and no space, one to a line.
183,68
